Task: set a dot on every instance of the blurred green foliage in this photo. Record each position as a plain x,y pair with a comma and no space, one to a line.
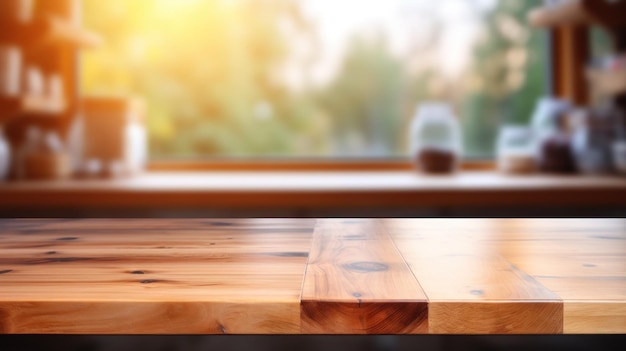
512,63
208,74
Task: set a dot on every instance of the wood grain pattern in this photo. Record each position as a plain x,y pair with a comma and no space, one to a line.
142,317
470,287
591,317
357,283
581,260
152,276
495,317
327,276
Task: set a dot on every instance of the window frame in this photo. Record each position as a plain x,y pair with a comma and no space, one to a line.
299,164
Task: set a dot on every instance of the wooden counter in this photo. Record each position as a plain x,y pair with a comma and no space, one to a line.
307,276
326,190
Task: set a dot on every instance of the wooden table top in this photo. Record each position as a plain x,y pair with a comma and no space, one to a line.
307,276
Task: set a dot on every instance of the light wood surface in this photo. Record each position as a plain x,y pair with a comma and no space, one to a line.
559,267
306,276
150,276
357,282
483,292
266,190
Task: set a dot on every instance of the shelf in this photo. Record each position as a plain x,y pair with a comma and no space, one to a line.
605,13
61,31
266,191
46,31
29,105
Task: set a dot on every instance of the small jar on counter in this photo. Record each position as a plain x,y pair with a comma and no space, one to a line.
516,150
592,140
555,152
43,157
435,139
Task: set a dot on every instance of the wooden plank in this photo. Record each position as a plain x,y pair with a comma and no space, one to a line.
186,276
583,261
186,233
594,317
495,317
139,277
357,283
472,289
240,288
148,317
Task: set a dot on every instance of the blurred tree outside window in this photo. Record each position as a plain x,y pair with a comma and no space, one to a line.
314,78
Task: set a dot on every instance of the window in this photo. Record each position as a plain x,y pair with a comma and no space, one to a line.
314,78
601,47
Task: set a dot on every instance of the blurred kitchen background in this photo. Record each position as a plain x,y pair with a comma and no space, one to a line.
315,78
312,108
107,90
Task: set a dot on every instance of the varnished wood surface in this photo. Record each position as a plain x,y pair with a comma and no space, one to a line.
484,293
152,276
305,189
325,276
357,283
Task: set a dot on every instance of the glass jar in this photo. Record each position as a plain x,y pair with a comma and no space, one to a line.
592,141
546,118
43,156
516,150
435,139
556,154
550,125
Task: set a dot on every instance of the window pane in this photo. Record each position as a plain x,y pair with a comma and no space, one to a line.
314,78
600,42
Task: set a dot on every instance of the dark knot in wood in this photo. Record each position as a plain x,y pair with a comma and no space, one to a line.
288,254
366,267
222,329
477,292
